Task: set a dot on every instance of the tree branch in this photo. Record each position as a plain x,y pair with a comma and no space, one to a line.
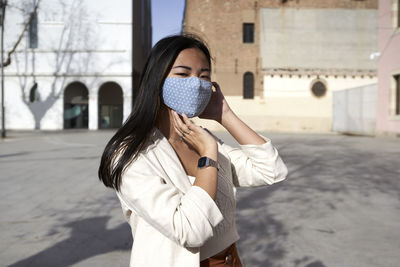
32,15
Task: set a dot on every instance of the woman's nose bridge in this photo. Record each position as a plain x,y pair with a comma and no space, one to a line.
195,73
198,70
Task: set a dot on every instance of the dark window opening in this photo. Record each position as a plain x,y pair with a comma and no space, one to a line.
398,13
76,106
33,32
110,106
248,85
248,32
318,89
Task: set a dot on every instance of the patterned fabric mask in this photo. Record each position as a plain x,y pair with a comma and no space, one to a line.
187,95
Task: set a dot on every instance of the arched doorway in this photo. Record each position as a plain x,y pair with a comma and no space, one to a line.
248,85
110,105
76,113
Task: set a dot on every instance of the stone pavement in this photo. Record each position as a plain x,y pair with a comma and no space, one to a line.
340,205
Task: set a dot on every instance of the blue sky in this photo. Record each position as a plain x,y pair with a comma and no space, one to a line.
167,17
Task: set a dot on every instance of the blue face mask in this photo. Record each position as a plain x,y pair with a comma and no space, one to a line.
187,95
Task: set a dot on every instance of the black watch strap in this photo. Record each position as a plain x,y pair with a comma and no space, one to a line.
206,162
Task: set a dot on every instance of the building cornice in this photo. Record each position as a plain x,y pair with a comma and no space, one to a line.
71,51
76,75
319,72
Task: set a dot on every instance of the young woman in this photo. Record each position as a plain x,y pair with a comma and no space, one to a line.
174,179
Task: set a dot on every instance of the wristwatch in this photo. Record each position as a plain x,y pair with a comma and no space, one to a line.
205,162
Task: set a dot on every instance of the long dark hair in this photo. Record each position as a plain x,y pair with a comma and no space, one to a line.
131,138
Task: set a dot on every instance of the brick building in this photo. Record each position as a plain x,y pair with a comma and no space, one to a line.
278,61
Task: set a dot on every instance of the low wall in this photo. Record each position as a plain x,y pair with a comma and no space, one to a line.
280,114
354,110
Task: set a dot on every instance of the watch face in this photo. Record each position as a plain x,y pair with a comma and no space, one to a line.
202,162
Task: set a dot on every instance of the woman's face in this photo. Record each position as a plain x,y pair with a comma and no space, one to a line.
191,62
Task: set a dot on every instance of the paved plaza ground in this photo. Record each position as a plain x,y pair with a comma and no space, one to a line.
340,204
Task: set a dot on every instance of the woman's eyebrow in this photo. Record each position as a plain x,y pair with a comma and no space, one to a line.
185,67
189,68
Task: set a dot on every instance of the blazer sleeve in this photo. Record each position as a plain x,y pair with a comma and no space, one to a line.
187,219
256,165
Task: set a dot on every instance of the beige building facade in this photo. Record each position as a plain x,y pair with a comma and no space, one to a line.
279,61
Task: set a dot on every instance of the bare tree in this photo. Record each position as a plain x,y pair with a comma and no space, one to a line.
72,55
21,35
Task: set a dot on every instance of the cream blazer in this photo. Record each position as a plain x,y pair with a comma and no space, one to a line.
171,219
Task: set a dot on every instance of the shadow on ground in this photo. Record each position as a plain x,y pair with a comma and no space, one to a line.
321,177
326,175
89,237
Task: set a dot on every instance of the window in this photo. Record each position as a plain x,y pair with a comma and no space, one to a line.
318,88
248,32
76,106
398,13
397,93
248,85
33,32
2,11
111,105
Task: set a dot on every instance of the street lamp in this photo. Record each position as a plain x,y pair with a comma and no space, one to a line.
3,4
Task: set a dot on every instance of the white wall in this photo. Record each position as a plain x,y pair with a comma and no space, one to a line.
354,110
97,44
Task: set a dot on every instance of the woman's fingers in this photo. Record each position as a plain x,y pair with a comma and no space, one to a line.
216,85
188,123
180,124
192,134
217,89
177,122
192,126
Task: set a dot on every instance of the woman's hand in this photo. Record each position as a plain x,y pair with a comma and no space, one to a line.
205,144
194,135
217,106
